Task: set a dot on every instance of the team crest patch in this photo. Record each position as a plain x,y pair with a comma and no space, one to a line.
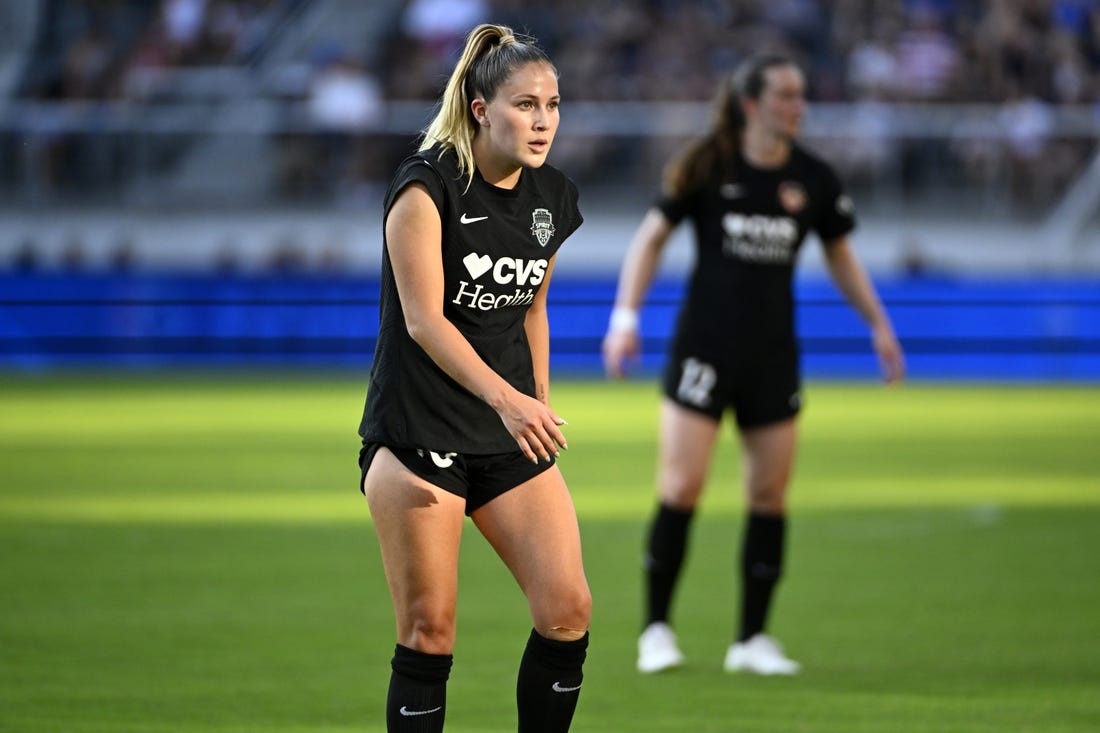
542,225
792,196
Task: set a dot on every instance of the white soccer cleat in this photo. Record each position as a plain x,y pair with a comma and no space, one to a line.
657,649
760,654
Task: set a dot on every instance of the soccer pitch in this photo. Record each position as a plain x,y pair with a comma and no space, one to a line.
190,553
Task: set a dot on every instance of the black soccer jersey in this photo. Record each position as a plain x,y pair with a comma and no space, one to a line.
496,250
749,226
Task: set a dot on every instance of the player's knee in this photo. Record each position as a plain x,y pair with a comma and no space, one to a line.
770,504
571,616
681,491
768,494
560,633
429,642
582,609
431,632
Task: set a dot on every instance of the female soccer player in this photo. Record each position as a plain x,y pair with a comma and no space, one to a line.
457,418
752,194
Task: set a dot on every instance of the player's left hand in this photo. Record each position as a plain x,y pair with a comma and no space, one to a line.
890,356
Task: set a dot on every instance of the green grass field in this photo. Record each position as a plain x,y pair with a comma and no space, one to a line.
190,554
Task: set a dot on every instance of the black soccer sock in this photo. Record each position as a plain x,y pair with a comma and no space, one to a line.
417,698
761,568
664,556
549,683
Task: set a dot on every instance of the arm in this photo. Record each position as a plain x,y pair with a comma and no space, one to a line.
414,235
852,281
622,343
538,337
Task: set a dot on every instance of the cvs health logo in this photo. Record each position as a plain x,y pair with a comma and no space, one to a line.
505,271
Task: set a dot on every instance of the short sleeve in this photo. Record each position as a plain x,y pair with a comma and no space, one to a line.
674,208
574,196
417,170
837,216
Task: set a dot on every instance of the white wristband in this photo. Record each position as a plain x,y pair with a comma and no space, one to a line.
623,319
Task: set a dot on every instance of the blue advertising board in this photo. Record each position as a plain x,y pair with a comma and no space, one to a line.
951,328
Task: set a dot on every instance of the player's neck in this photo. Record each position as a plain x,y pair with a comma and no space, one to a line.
764,149
507,178
500,173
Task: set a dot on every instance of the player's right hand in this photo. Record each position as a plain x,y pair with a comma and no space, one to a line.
621,348
534,426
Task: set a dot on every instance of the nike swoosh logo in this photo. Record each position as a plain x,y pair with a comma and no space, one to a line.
556,687
466,219
408,713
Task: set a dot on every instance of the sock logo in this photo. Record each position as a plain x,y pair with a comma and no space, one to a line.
556,687
409,713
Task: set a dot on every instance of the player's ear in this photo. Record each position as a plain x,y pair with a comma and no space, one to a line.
480,110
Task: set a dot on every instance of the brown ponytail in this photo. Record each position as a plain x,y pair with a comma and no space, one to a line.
717,149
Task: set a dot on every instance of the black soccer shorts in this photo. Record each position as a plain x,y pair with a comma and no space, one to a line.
760,391
476,478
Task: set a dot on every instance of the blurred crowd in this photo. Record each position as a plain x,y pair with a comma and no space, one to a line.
921,50
1028,57
925,50
115,49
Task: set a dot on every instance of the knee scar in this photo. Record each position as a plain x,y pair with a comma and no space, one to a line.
563,633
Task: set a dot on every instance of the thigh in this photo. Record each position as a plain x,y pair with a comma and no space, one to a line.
533,528
687,439
767,458
419,529
495,474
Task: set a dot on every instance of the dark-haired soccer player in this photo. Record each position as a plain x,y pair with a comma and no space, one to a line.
752,194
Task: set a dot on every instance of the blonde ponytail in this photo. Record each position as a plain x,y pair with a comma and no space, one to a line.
491,54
